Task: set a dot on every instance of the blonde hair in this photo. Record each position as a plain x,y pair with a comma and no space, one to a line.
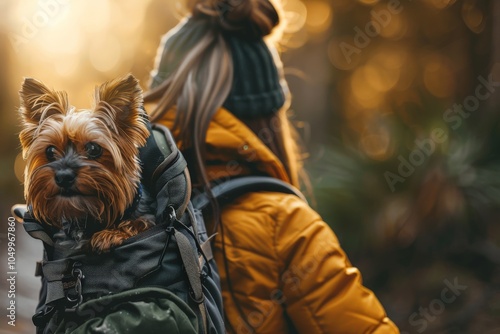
198,78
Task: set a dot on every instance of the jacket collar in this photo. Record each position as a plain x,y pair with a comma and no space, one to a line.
233,149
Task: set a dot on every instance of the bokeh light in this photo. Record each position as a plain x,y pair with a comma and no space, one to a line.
438,76
473,16
73,37
319,16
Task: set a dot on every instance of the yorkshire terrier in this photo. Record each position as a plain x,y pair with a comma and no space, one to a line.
82,171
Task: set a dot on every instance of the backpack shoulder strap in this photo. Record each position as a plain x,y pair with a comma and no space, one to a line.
227,191
33,227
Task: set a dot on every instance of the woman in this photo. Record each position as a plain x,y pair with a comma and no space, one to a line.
220,88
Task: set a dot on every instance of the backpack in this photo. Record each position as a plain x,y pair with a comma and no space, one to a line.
163,279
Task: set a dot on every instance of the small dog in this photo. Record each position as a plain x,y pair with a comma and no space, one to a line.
82,168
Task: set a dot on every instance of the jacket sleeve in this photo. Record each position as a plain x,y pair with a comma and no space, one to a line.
322,291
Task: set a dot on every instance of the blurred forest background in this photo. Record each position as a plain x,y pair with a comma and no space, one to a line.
399,107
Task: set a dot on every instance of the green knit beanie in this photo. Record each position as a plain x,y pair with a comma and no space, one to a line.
256,89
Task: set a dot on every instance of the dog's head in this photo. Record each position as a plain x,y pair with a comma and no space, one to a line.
82,165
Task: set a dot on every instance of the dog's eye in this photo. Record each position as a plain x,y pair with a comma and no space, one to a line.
50,152
93,150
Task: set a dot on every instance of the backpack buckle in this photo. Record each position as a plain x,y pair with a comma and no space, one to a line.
41,318
75,297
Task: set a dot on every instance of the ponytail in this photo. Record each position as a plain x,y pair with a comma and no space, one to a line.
252,19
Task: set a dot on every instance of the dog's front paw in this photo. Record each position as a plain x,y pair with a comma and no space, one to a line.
104,240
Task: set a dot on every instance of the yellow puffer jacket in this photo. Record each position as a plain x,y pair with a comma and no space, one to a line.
288,271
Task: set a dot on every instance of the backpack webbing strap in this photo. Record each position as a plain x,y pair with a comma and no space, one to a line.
58,278
193,272
23,215
206,248
35,230
228,191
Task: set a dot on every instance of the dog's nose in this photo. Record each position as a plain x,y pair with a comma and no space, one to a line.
65,178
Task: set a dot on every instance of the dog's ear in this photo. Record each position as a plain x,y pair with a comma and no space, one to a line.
120,104
38,103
